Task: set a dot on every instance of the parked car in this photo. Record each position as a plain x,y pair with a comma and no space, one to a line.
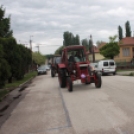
42,70
94,65
47,67
106,67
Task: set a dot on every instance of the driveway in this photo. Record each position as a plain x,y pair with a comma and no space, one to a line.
48,109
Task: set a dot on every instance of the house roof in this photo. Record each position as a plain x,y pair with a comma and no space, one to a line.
101,45
127,41
95,48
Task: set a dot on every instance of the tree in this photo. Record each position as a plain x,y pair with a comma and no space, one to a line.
16,57
38,58
12,55
49,56
59,50
85,43
120,33
90,46
24,58
70,39
4,68
128,29
4,25
112,38
111,49
77,40
66,37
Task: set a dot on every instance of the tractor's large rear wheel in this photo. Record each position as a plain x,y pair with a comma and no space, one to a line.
69,84
98,80
62,78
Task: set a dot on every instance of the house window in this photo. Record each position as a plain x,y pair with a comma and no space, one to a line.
126,52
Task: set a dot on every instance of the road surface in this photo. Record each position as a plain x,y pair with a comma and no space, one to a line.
48,109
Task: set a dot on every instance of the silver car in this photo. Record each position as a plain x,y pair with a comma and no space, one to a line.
41,70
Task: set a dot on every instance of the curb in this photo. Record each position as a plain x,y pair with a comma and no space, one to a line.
14,94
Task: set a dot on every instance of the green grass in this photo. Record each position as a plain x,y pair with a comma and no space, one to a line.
3,92
125,70
16,83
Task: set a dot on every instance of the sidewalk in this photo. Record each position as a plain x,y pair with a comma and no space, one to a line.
9,98
41,111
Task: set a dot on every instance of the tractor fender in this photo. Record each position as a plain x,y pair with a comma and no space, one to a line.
60,66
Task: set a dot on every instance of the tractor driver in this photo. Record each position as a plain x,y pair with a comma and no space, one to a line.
78,56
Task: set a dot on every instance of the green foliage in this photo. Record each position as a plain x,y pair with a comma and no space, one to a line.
17,56
38,58
128,29
111,49
77,40
69,39
4,25
112,38
24,59
16,83
90,45
85,43
4,68
59,50
120,33
49,56
11,54
131,74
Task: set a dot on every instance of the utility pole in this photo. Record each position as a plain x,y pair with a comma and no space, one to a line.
30,41
92,48
38,48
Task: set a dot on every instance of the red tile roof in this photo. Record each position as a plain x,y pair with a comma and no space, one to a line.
101,45
95,48
127,41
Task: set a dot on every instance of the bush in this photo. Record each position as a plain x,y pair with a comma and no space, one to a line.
131,74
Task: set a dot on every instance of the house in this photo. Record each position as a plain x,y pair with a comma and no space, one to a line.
126,50
97,54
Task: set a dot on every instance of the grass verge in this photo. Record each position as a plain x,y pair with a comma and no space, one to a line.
10,86
125,70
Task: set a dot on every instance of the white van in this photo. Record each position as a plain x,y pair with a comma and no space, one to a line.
106,67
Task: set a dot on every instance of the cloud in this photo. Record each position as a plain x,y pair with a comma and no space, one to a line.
48,20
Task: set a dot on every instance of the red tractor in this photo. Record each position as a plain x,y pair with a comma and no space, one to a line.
54,65
75,65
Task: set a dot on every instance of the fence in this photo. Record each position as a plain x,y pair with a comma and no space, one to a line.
123,64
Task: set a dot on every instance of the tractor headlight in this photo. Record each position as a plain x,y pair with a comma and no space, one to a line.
74,71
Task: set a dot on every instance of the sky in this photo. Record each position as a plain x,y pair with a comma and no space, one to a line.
45,21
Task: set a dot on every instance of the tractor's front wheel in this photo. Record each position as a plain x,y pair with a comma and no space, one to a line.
98,80
62,78
69,84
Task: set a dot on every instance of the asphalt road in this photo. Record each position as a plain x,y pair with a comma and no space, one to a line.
48,109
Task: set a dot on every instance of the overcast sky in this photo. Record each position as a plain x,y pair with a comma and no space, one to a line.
47,20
